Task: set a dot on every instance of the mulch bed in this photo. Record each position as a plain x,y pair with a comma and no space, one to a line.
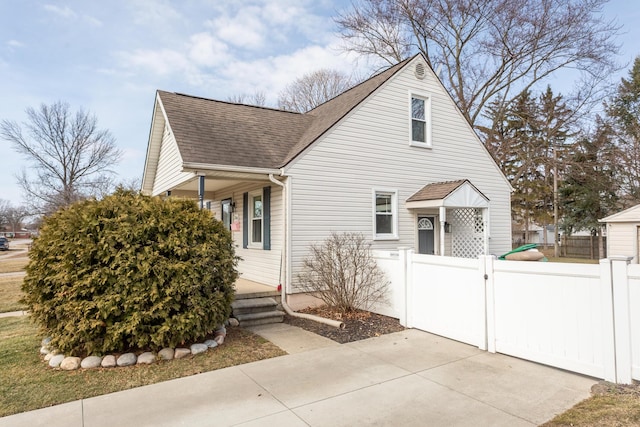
359,325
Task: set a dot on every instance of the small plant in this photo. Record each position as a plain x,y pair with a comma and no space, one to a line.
343,274
130,271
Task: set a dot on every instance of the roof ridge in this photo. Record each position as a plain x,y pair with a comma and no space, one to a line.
263,107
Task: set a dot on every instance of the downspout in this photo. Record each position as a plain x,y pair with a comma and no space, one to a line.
285,306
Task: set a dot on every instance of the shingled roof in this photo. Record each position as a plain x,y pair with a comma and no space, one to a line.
436,191
223,133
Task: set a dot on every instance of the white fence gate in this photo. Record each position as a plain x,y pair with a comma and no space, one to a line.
573,316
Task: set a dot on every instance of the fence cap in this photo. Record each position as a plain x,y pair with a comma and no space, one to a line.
620,258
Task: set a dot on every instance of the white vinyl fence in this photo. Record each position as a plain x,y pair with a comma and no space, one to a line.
578,317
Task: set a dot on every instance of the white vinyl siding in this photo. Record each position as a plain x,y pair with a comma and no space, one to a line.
622,239
332,181
169,173
261,266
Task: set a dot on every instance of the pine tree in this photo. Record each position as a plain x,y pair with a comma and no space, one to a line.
624,112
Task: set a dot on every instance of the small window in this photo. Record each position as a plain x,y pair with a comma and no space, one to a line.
256,219
420,120
385,213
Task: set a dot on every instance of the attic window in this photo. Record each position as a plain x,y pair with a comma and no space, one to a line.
420,71
420,119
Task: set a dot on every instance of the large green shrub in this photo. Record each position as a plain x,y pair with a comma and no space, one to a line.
130,271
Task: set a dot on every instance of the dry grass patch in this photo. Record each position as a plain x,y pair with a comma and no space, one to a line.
10,294
27,383
611,405
13,265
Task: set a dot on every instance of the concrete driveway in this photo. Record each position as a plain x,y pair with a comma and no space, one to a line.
409,378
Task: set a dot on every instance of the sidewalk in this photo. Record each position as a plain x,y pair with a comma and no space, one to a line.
409,378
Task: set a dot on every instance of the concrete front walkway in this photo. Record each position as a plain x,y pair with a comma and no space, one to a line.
409,378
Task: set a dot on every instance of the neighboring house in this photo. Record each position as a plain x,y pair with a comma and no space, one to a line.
623,233
392,158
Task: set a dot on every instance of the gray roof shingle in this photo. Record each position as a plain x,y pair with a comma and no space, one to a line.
436,191
223,133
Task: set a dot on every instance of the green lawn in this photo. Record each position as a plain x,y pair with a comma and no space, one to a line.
28,383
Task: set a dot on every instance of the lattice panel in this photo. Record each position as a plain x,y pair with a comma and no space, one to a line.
467,232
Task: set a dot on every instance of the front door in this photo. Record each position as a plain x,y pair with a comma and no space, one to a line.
426,243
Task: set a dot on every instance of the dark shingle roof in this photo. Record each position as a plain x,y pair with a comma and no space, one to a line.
224,133
436,191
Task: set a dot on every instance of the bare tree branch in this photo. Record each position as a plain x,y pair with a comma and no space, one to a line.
313,89
69,156
489,49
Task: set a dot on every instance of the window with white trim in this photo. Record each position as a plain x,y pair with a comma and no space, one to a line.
385,214
420,112
255,218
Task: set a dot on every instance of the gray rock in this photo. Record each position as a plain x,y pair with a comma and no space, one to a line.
219,339
109,361
146,358
220,331
48,356
91,362
181,352
126,359
45,341
56,360
44,350
198,348
233,321
166,353
70,363
211,343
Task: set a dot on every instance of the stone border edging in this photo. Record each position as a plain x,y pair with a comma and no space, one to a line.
72,363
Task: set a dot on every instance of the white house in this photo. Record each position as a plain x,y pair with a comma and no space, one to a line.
623,233
392,158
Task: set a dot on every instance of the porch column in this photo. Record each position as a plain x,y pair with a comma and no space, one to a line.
443,220
201,191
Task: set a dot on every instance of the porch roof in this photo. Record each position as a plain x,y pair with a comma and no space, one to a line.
455,194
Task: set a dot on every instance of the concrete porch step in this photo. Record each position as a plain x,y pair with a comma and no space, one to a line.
253,305
261,318
262,294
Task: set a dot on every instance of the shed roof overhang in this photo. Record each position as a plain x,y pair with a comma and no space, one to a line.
450,194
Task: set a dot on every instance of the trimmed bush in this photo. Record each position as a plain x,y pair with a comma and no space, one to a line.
130,271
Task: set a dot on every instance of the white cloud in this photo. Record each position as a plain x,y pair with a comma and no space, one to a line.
244,30
15,43
161,62
64,12
207,51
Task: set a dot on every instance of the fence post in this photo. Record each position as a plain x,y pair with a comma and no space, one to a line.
402,275
621,318
608,333
489,306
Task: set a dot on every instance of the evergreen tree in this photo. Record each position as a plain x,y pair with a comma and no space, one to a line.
589,190
624,112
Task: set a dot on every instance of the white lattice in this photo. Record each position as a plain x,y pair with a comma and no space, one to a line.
467,232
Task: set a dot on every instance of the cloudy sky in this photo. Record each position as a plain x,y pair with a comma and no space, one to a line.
110,57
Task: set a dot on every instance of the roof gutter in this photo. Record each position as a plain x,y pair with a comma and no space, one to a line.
228,168
283,287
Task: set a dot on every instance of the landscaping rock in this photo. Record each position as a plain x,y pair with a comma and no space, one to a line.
198,348
146,358
181,352
126,359
166,353
70,363
48,356
233,321
56,360
91,362
211,343
109,361
45,341
220,331
44,350
219,339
